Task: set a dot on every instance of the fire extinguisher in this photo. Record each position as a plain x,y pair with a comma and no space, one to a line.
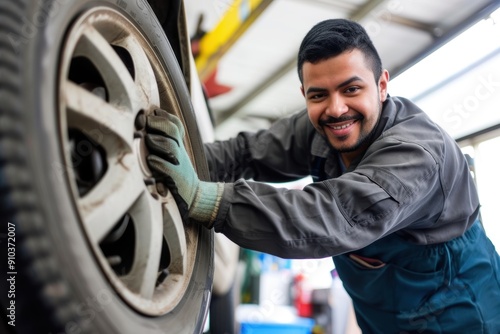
302,298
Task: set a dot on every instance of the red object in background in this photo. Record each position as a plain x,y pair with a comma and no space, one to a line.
302,298
212,87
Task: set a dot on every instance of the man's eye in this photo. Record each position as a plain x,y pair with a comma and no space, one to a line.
316,96
352,89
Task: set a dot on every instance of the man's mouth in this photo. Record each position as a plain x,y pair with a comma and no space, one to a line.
339,123
340,127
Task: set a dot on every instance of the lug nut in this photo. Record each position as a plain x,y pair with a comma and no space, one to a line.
149,181
140,121
160,187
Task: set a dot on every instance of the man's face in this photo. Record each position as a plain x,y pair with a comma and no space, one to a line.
343,100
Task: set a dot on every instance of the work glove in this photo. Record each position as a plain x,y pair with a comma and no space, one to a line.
170,165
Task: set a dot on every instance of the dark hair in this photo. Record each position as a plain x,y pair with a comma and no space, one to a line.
330,38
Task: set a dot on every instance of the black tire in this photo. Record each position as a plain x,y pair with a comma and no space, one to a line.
222,310
71,277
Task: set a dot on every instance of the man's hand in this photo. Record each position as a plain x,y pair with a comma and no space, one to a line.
170,164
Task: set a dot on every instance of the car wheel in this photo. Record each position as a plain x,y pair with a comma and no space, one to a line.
100,247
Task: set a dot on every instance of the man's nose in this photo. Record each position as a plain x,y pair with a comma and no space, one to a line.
336,107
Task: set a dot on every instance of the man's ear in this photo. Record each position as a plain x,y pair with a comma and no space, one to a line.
302,90
382,85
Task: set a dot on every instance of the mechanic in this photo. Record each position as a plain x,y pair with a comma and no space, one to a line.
393,200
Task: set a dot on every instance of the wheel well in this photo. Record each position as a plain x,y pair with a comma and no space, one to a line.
169,14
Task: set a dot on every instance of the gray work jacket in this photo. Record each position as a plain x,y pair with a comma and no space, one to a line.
412,180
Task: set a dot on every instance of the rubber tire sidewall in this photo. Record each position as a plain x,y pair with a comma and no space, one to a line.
97,304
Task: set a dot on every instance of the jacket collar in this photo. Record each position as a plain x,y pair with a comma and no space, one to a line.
322,149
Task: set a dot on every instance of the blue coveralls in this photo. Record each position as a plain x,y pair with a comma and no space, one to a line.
411,288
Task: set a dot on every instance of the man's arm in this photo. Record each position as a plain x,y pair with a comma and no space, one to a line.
278,154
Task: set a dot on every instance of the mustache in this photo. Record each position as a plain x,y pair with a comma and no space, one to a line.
333,120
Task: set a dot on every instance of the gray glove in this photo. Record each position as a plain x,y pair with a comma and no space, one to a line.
170,164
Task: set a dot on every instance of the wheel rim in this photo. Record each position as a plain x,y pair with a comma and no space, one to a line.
110,79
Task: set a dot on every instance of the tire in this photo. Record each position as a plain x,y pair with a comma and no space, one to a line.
222,312
99,246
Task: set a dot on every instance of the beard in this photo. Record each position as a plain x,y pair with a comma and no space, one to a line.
365,137
362,140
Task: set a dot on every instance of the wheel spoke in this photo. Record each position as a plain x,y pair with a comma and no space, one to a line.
175,236
119,82
144,75
147,216
99,120
111,198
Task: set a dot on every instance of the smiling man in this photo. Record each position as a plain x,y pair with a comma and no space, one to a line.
393,202
344,100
